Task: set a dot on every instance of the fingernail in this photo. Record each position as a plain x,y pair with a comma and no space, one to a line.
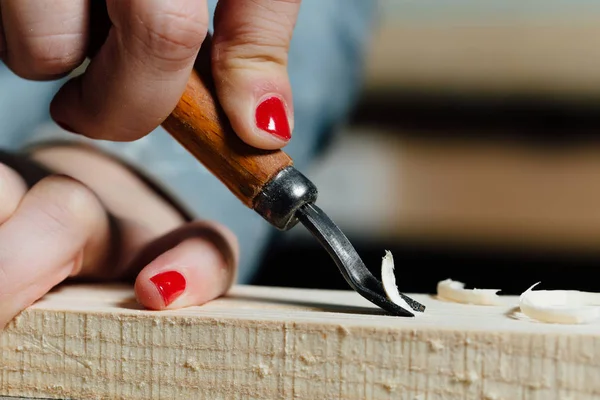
65,127
170,285
272,118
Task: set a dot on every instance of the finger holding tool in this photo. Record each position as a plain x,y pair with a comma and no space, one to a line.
266,180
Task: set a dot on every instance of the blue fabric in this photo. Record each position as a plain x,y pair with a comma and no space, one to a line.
325,68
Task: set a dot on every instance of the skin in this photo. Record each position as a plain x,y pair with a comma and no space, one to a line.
60,228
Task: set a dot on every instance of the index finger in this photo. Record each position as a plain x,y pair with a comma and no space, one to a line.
140,72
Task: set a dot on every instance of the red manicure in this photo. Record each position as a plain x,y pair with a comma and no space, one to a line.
272,118
170,285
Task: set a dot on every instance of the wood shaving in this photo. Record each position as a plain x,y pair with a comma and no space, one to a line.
560,306
389,283
455,291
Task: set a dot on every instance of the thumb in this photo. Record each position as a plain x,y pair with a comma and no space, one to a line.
249,63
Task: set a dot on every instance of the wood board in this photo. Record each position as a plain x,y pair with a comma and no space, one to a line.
95,342
476,55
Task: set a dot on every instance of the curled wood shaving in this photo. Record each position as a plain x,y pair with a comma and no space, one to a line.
560,306
389,283
455,291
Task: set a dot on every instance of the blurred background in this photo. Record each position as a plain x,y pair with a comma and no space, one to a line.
472,154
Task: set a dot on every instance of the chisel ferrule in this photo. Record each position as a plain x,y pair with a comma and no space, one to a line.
283,196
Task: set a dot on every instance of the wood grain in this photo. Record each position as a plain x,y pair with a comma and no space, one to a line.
199,124
93,342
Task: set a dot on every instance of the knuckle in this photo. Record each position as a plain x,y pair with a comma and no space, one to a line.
247,45
65,202
54,54
173,35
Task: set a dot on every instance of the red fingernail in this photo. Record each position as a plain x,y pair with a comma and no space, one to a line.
170,285
272,118
65,127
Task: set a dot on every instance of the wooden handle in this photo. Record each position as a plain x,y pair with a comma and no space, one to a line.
200,125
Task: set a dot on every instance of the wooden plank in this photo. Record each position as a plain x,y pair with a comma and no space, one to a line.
92,342
530,197
547,56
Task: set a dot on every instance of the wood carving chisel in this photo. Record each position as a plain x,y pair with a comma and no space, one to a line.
265,181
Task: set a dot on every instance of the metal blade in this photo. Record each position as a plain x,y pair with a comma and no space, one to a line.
349,262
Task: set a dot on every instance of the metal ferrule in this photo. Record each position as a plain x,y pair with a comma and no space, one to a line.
283,196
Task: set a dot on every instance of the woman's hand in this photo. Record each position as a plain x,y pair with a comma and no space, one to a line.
100,222
139,73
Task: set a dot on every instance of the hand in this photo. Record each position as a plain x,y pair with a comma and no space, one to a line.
139,73
80,227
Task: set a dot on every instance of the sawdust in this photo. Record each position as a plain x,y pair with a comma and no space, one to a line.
436,345
343,331
467,378
390,386
308,358
192,364
262,370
